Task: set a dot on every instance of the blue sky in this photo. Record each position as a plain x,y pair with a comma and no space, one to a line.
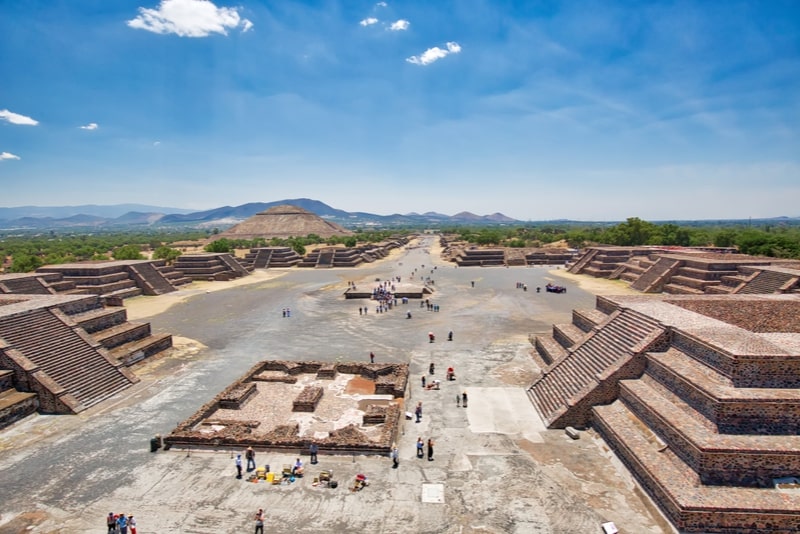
537,109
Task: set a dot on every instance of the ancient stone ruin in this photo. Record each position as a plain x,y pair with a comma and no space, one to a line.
342,407
69,351
699,396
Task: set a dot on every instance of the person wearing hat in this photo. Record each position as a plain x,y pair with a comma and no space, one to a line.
238,466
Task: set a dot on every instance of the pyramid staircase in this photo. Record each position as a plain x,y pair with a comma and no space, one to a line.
586,371
71,351
66,367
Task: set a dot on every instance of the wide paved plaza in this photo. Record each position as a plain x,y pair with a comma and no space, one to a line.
495,467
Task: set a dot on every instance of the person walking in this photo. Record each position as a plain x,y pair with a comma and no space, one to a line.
250,455
313,450
132,524
122,523
458,400
420,447
371,357
111,523
430,450
418,412
464,399
238,466
260,521
395,457
423,381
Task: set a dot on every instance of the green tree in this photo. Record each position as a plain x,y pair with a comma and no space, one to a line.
350,241
25,263
128,252
166,253
220,245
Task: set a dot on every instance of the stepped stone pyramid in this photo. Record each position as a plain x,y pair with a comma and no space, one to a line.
284,221
70,351
699,396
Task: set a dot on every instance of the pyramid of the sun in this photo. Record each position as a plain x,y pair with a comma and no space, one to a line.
284,221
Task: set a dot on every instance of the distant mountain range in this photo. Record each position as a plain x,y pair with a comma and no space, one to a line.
123,216
138,216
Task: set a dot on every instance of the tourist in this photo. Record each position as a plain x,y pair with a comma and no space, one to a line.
283,311
313,451
395,457
238,466
288,312
423,381
122,523
132,524
418,412
451,374
371,357
260,521
297,469
430,450
250,455
432,368
458,400
464,399
450,336
111,523
420,446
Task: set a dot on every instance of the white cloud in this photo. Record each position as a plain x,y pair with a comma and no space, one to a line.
368,21
8,155
16,118
156,143
434,54
399,25
189,18
90,126
381,4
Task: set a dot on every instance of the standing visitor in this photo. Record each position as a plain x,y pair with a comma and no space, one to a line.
423,381
430,450
371,357
260,521
395,457
111,523
420,446
132,524
250,455
238,466
418,412
122,523
313,450
464,399
458,400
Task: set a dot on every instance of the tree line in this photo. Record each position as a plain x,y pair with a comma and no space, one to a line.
27,252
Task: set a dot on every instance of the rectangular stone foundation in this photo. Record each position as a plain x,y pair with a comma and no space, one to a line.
308,399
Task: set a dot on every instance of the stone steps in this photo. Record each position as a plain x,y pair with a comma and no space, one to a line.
120,334
99,318
765,411
676,289
740,460
690,505
567,335
65,356
139,349
549,349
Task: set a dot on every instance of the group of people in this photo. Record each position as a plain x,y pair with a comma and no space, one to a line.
421,448
286,312
120,523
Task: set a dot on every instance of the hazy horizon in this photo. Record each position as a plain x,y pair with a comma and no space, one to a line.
582,110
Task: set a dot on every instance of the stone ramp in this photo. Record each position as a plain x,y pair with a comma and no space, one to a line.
767,282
